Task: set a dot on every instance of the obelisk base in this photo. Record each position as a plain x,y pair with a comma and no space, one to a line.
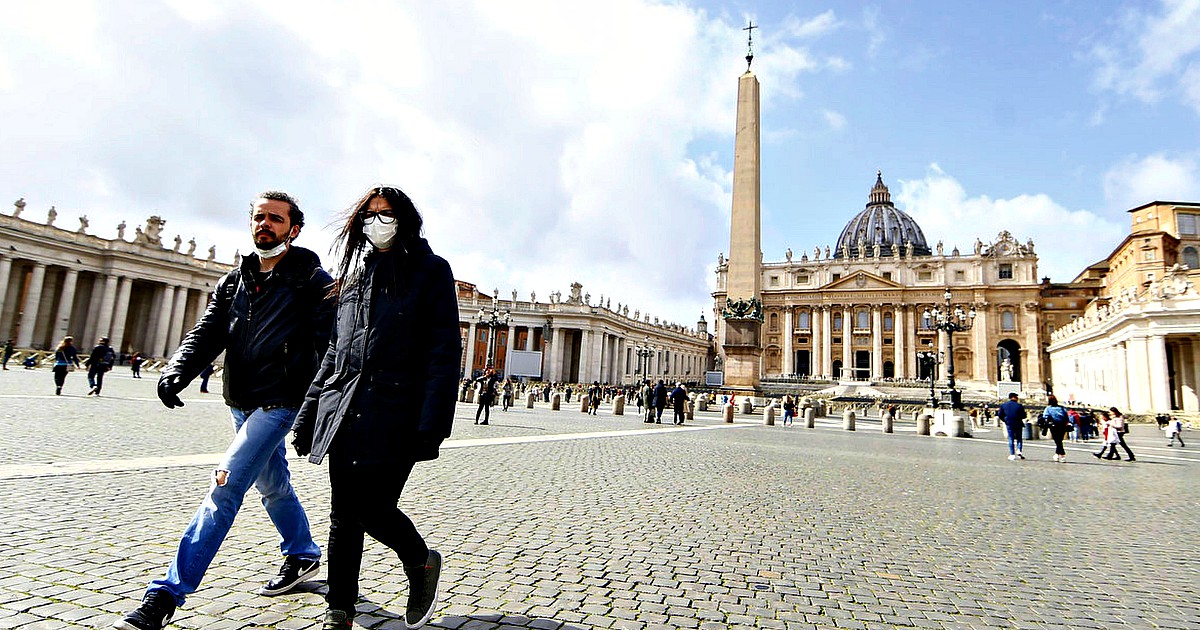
743,356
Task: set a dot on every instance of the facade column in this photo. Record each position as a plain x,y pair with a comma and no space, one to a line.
1156,365
876,342
106,307
5,270
556,355
62,320
29,310
814,357
509,342
847,339
586,336
1191,400
1124,400
982,368
900,342
120,314
826,342
789,334
468,363
622,364
165,302
175,330
528,338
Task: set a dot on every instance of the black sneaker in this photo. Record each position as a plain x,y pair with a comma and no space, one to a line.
422,590
154,614
294,571
337,620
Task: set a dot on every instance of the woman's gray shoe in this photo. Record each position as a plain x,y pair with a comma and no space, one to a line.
423,590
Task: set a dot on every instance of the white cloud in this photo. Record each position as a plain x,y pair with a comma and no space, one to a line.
835,120
822,24
1137,181
945,212
1150,53
545,142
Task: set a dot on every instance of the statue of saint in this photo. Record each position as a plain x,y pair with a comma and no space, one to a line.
533,296
19,205
826,251
720,258
237,258
121,230
875,250
817,252
939,248
1006,370
978,247
178,243
789,254
191,246
83,224
51,216
212,252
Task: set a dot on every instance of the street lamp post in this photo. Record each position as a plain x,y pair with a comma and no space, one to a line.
644,351
930,359
493,319
950,319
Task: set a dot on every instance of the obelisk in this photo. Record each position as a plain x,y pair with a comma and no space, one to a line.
743,312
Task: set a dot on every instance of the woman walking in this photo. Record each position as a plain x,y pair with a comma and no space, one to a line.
65,357
1108,450
1121,424
1060,423
789,410
384,396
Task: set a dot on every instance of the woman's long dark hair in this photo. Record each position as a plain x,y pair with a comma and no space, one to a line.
350,242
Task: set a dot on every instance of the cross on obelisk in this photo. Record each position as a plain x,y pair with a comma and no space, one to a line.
749,43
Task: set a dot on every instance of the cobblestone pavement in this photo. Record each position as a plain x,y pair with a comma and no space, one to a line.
562,520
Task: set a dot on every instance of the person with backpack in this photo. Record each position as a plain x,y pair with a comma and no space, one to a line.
99,362
1059,423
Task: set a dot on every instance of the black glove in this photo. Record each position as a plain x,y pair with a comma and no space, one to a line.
169,386
425,447
302,441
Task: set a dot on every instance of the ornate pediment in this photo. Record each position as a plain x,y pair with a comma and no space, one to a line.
862,281
1006,245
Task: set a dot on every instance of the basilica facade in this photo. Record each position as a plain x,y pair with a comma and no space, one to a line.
856,310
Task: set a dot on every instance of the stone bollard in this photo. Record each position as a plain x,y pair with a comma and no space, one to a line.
727,412
529,400
555,401
747,406
810,418
848,419
619,405
888,422
769,414
923,424
690,411
585,404
702,403
471,395
462,394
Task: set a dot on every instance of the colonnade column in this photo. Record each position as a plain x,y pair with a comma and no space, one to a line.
979,330
62,320
5,270
826,341
1160,387
900,341
528,338
469,361
166,301
876,342
814,357
117,334
175,330
107,301
29,310
789,332
622,366
847,338
556,355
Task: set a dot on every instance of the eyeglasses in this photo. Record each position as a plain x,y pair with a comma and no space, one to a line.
386,219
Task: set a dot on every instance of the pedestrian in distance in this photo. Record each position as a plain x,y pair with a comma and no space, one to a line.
8,352
1059,424
1108,448
660,400
1122,425
1012,414
507,396
99,362
66,358
679,403
487,394
135,365
205,374
789,410
595,393
270,360
383,398
1174,430
648,397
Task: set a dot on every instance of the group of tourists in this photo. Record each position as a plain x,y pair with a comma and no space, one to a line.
1058,422
360,369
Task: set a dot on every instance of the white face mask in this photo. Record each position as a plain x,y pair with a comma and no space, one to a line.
274,251
380,234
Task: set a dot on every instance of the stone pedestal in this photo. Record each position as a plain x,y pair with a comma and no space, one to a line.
727,413
555,401
769,414
619,405
888,422
923,422
585,404
810,418
848,418
529,400
1004,388
950,423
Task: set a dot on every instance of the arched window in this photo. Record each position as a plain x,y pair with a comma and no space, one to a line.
1008,321
774,321
1191,258
862,320
804,322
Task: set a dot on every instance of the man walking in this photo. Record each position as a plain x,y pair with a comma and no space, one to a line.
270,361
100,361
679,399
1012,414
8,351
487,394
660,400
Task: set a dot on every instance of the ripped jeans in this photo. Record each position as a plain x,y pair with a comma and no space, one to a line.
256,456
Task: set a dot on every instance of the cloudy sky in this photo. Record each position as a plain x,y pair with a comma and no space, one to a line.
559,141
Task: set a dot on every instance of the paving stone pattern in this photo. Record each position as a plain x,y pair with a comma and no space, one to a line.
734,526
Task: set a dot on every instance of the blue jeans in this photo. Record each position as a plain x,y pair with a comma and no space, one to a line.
1014,439
256,456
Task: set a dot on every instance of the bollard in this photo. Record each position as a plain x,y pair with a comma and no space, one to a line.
529,400
958,426
585,404
769,414
810,418
747,406
923,424
1029,431
888,421
690,411
471,395
462,395
555,401
702,403
727,412
619,405
848,419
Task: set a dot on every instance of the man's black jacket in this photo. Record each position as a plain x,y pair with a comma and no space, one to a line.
273,330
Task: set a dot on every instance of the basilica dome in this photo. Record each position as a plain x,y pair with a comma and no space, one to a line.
880,228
